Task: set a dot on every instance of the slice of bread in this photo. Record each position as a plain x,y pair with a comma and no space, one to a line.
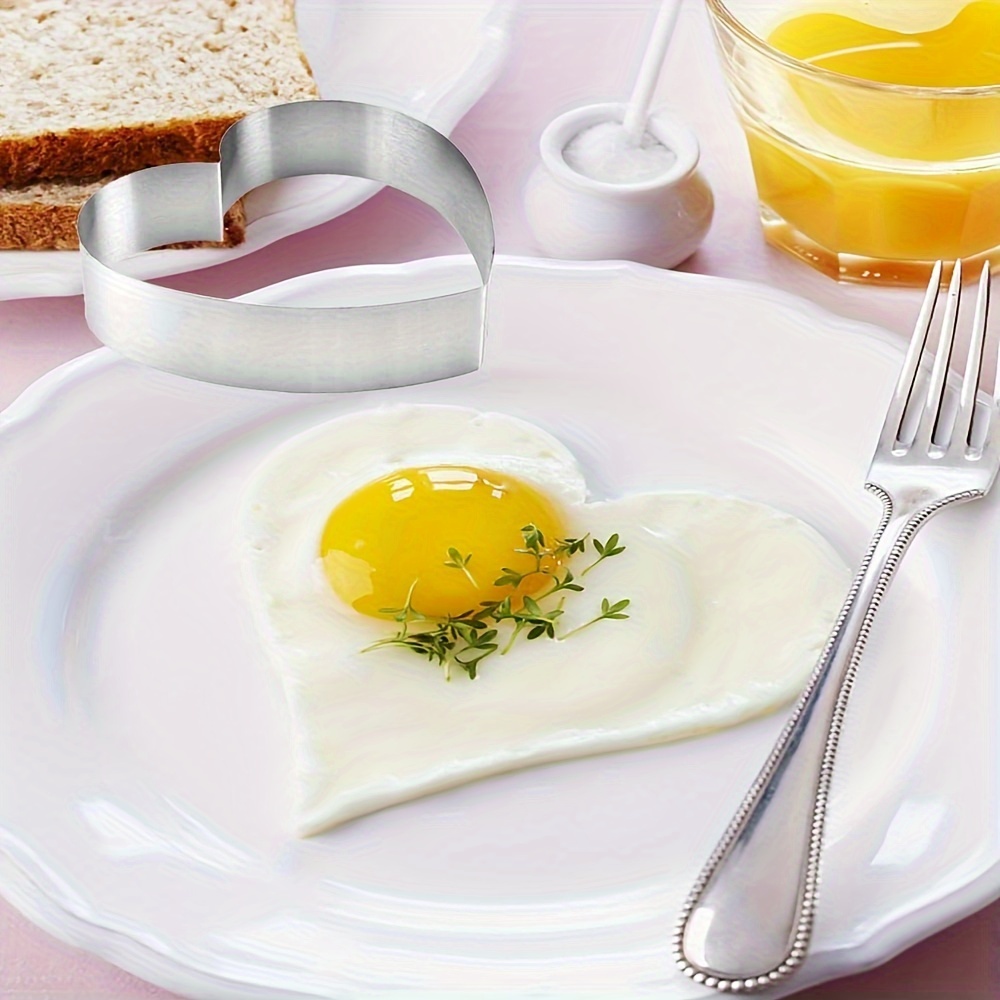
42,216
111,86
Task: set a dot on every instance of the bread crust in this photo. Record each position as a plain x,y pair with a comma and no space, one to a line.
38,226
119,150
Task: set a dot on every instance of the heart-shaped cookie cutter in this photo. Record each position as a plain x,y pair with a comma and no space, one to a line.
297,349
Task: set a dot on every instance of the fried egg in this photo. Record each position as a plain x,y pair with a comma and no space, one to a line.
424,506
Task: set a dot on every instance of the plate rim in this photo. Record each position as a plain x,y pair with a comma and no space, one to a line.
74,367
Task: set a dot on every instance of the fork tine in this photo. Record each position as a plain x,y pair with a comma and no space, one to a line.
974,364
907,377
942,358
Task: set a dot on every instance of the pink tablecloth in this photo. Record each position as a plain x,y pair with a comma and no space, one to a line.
563,53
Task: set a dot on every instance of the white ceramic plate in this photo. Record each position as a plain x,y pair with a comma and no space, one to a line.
432,61
143,794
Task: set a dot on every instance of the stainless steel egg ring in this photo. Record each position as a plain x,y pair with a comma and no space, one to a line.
298,349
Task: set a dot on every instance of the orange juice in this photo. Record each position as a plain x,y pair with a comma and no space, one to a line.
894,166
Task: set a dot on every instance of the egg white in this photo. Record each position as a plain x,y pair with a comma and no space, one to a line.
731,604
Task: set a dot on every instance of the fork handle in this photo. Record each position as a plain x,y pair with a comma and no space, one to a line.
748,920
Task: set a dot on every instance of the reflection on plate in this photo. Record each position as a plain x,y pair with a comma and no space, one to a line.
442,61
143,815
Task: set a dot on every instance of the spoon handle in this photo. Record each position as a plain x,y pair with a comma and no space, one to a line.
649,70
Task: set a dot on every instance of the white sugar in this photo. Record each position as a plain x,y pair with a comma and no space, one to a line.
606,152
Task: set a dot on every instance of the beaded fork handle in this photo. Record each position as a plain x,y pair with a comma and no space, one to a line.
748,921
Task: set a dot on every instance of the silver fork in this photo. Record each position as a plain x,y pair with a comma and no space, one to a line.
748,921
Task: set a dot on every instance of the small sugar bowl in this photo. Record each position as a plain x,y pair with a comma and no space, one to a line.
599,196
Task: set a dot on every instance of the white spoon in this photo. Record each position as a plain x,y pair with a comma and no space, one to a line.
649,70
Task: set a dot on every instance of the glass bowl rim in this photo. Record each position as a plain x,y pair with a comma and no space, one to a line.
721,12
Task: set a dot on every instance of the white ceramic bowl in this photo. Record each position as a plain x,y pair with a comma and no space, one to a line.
660,221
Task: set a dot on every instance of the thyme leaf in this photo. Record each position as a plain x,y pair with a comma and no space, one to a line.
456,560
605,550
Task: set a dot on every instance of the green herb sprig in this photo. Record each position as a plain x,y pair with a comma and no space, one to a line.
467,639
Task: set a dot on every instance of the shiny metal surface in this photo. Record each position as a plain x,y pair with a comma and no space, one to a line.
748,921
330,349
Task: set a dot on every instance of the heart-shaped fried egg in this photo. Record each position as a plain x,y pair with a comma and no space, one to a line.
366,539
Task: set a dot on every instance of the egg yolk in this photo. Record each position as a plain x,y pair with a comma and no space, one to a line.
398,538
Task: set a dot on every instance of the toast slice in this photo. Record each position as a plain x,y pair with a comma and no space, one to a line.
42,216
111,86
